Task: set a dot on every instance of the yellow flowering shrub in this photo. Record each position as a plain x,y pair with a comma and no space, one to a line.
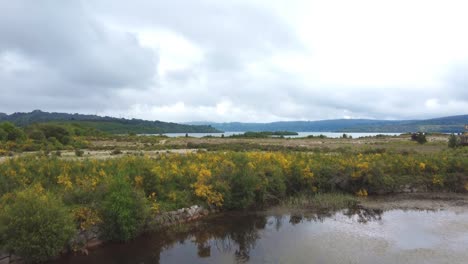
237,179
86,217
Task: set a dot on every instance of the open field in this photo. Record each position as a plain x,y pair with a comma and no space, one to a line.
103,147
394,143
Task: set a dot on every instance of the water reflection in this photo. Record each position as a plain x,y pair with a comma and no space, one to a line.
250,237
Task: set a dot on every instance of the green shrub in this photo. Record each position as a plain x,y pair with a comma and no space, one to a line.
55,131
419,137
3,135
34,224
79,152
454,141
13,132
116,152
36,135
242,185
124,210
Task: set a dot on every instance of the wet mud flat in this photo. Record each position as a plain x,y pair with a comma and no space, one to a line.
419,228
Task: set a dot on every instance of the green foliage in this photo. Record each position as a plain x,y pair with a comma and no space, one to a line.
36,135
242,184
124,210
3,135
264,134
13,132
34,224
454,141
55,131
419,137
106,124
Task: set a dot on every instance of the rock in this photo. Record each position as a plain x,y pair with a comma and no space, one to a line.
4,258
407,189
94,243
205,212
191,212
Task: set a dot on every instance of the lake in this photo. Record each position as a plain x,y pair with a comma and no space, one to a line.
348,236
301,134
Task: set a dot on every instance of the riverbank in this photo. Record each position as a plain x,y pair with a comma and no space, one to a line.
193,220
86,239
376,231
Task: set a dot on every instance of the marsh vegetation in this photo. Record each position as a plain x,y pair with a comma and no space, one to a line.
119,182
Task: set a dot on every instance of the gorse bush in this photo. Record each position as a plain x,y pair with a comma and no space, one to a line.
34,224
239,180
124,210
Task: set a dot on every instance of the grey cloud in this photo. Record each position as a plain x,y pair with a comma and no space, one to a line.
70,53
80,57
230,33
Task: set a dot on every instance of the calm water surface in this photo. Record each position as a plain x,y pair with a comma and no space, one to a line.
350,236
301,134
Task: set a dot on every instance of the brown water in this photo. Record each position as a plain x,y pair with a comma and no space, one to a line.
349,236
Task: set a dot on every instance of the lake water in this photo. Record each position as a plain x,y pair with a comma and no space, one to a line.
301,134
349,236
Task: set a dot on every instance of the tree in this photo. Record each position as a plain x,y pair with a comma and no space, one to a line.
3,135
419,137
13,132
454,141
55,131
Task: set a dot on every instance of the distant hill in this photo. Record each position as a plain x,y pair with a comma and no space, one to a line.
451,124
107,124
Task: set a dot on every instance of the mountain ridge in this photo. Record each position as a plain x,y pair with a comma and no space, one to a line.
107,124
448,124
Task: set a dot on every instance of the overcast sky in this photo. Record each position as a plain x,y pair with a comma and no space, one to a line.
239,60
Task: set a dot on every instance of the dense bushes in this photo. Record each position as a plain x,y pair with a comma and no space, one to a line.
34,224
54,131
243,179
47,137
124,210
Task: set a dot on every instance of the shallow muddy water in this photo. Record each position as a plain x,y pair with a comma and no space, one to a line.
348,236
